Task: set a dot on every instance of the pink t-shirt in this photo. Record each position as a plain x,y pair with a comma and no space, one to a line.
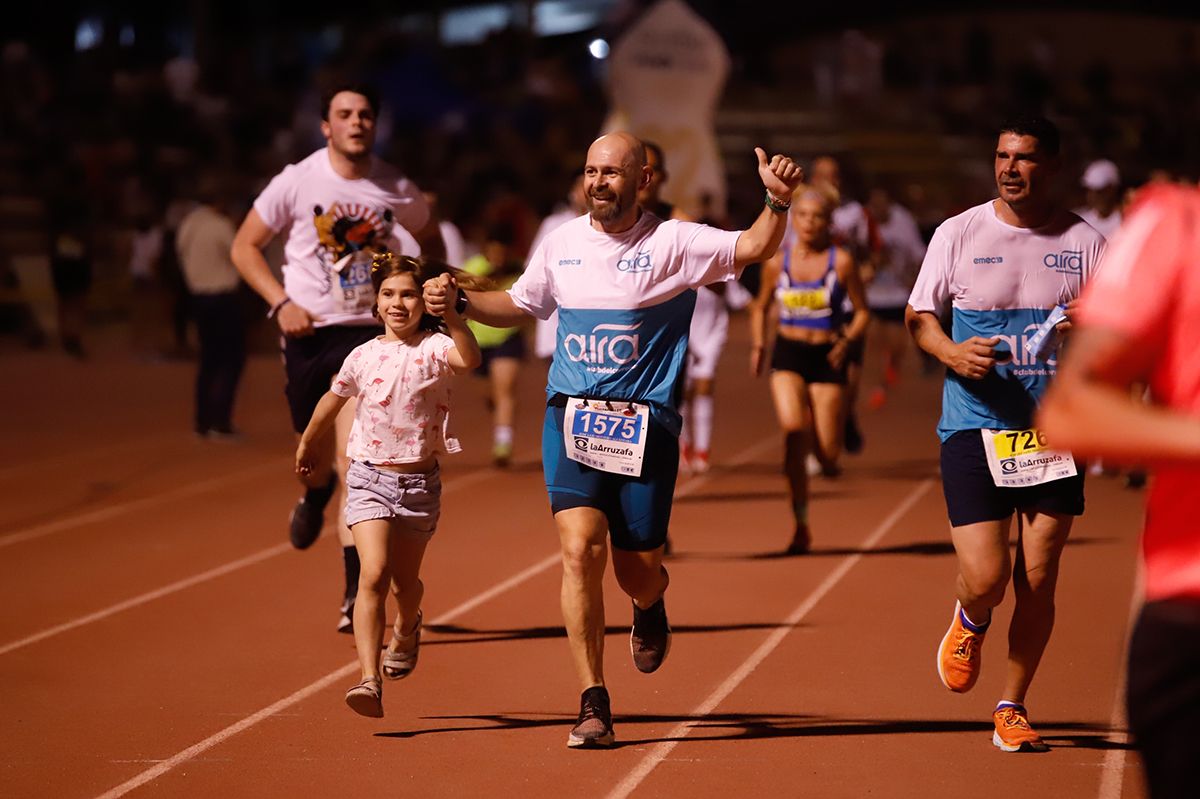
403,393
332,225
1149,290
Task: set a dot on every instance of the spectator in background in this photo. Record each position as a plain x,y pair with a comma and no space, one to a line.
203,244
1102,209
70,269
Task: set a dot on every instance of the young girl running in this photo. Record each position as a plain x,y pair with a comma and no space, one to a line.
808,278
401,381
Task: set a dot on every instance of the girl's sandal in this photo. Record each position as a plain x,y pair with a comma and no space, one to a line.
399,662
366,698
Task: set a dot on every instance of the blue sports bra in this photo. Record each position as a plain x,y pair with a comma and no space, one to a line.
812,304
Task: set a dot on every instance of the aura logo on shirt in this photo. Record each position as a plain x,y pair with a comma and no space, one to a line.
635,263
605,349
1068,261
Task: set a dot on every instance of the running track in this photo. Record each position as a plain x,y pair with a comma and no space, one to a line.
160,638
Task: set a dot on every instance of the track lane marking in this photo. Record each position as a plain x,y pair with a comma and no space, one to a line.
313,688
764,650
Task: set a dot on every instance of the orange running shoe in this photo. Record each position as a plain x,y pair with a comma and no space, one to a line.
1013,733
958,658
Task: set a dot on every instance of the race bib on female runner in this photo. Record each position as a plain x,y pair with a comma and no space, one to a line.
609,436
1018,458
352,290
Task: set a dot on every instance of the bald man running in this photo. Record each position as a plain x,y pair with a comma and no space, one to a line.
620,279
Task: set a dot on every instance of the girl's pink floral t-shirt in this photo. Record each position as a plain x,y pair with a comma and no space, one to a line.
403,394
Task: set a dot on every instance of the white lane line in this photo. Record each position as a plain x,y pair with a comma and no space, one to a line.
131,506
321,684
203,577
660,752
1112,777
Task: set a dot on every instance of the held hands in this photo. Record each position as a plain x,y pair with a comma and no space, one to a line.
781,175
440,295
973,358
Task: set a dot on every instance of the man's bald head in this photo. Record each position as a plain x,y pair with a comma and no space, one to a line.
621,147
614,172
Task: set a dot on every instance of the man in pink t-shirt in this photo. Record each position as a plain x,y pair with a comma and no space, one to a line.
1139,322
337,207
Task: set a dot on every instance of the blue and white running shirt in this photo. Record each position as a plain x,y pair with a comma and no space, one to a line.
1002,281
624,305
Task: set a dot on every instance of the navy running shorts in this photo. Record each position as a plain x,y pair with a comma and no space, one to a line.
973,496
311,363
638,508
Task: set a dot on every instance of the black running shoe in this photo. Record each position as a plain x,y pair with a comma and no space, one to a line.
594,726
650,638
308,517
853,440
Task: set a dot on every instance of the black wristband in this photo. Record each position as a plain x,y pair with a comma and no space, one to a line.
460,305
277,307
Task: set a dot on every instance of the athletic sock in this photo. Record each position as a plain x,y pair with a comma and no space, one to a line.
1003,703
702,422
350,561
502,434
972,626
320,496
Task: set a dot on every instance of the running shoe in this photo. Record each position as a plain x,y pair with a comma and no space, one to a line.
877,398
650,638
801,542
853,440
346,616
685,457
699,461
1013,733
959,655
502,454
308,517
594,726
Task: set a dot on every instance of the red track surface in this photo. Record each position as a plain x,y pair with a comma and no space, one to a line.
160,637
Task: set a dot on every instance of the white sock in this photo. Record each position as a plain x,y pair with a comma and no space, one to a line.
502,434
702,422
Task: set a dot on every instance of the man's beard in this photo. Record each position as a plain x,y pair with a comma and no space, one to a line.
612,210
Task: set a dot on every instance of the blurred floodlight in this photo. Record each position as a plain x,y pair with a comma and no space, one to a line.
126,36
598,48
88,33
473,24
559,17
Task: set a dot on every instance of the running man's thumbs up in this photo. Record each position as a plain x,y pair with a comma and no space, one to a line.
781,175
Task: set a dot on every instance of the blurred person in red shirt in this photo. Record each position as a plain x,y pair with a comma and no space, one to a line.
1140,322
